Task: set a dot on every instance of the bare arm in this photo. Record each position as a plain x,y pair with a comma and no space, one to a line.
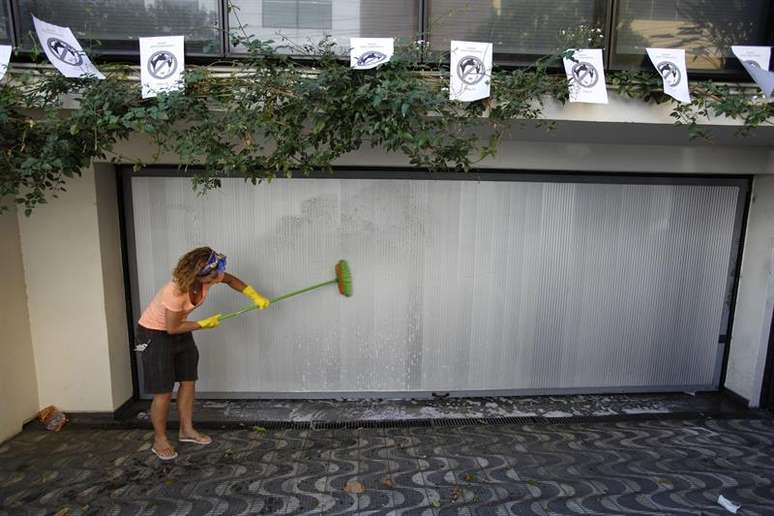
234,282
240,286
176,323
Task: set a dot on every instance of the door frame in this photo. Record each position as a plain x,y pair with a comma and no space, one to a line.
743,182
767,388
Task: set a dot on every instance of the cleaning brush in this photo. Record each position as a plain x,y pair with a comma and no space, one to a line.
343,280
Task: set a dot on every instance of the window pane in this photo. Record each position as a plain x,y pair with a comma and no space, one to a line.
314,14
5,26
279,13
529,27
299,22
705,28
114,25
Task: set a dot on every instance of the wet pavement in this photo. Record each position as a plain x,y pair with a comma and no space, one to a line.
659,465
274,413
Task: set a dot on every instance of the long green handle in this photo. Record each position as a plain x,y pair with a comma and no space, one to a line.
274,300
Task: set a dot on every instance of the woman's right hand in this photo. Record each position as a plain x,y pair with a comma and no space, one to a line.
177,323
209,322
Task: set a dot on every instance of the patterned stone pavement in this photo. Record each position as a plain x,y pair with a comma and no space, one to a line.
668,466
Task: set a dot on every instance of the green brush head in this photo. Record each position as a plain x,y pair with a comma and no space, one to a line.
344,278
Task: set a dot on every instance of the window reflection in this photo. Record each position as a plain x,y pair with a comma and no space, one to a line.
705,28
291,24
115,25
530,27
5,32
297,14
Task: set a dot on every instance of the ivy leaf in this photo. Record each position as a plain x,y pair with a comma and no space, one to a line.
300,117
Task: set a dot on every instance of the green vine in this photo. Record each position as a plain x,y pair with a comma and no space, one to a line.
269,115
709,99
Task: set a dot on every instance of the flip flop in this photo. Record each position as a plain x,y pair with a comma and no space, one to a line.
200,442
163,457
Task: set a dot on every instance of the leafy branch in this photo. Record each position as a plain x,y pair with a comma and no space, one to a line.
267,115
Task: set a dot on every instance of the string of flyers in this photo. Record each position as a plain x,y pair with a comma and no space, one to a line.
162,62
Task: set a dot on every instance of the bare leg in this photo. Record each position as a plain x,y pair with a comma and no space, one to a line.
185,399
159,412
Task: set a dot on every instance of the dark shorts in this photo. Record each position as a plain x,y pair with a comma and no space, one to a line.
166,359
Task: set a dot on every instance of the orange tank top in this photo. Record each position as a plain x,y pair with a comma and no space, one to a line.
170,298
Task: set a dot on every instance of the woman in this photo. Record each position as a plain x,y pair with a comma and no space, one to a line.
169,353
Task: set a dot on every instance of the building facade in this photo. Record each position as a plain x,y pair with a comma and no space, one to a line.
612,254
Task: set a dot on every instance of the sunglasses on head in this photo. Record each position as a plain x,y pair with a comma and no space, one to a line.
215,263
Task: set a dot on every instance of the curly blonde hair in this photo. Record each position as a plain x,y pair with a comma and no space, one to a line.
188,266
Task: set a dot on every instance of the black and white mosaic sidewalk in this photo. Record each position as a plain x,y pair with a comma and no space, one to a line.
657,466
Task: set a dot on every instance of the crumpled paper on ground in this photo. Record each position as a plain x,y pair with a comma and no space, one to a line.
52,418
728,504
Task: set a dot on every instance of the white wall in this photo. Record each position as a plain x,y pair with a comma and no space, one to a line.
72,261
755,299
74,330
614,147
113,282
18,380
580,147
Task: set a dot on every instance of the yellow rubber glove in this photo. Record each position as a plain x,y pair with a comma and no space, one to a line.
259,301
210,322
